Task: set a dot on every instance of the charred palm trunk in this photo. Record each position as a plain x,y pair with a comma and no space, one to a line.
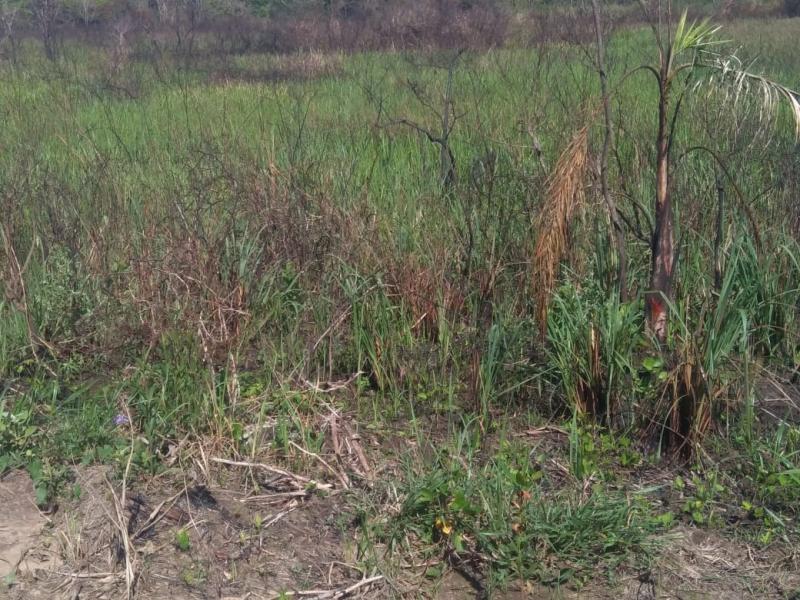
663,242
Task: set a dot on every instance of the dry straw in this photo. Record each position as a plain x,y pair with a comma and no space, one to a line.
565,194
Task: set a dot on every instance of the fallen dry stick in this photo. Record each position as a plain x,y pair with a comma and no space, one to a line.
277,517
330,594
275,498
297,478
356,446
341,476
109,576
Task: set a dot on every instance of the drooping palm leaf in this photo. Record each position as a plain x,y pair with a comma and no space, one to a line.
742,80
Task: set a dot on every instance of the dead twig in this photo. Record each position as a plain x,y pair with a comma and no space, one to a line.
330,594
121,525
341,476
277,471
326,387
275,498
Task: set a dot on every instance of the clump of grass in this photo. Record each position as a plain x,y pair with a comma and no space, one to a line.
592,345
716,338
46,427
498,518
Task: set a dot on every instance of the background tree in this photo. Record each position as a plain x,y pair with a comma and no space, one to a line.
9,11
46,14
88,9
608,143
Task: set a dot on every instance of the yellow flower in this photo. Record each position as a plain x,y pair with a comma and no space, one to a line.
443,526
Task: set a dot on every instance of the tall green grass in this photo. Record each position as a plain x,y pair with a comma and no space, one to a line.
296,228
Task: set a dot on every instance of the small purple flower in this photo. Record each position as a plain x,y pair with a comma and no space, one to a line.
121,419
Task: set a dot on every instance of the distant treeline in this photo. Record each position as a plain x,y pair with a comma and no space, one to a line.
240,26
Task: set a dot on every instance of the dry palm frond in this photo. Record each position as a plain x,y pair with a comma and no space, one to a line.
731,71
564,195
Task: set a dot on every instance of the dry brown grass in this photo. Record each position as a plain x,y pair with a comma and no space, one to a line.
427,292
296,66
565,193
204,277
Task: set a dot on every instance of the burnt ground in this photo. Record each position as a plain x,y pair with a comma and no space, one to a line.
209,528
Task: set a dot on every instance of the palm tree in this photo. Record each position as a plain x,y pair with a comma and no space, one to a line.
686,62
687,53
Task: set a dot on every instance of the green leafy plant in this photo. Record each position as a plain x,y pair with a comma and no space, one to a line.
701,504
182,541
500,511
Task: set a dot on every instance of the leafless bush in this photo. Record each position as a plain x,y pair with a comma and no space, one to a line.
205,276
192,31
343,26
9,13
47,15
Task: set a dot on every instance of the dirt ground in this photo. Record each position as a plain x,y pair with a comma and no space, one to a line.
21,523
212,528
190,541
287,540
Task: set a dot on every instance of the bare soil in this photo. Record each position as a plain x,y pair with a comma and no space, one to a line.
210,529
21,523
236,545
